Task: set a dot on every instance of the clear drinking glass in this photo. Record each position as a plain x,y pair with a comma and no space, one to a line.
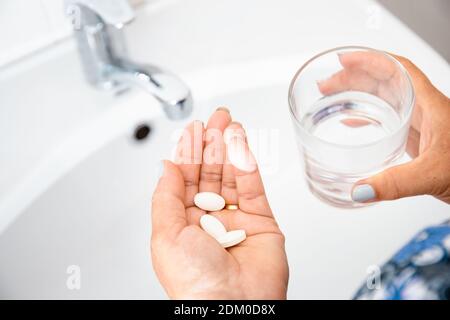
351,108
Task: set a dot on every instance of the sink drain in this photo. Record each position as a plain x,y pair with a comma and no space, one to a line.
142,132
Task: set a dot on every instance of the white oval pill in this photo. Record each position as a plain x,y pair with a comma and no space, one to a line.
232,238
209,201
212,225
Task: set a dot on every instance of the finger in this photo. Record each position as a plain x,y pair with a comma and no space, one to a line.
419,79
168,211
345,80
377,64
214,152
400,181
357,80
189,158
413,143
229,187
249,185
229,190
371,72
427,95
355,123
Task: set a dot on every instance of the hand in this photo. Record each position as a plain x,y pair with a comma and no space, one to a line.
429,134
189,263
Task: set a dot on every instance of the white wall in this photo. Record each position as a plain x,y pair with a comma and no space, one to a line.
27,25
430,19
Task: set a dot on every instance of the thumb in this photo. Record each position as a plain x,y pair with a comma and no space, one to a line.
168,211
400,181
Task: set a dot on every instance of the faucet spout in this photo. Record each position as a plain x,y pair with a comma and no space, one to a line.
103,54
167,88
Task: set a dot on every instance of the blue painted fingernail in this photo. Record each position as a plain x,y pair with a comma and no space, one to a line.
363,193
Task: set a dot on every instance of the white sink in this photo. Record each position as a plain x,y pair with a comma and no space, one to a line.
81,189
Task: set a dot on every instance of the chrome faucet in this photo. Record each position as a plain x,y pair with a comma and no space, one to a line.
98,28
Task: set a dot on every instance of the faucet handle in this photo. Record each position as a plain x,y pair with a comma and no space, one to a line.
116,13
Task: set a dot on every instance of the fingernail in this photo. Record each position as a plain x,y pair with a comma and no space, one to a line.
363,193
322,81
231,133
198,123
319,84
160,169
223,109
240,156
341,57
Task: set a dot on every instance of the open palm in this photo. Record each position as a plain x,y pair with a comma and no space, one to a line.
191,264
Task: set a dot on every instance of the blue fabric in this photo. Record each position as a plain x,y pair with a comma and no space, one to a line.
420,270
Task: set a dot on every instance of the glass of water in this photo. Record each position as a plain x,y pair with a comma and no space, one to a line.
351,108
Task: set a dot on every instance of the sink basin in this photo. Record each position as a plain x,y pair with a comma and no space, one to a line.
84,199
